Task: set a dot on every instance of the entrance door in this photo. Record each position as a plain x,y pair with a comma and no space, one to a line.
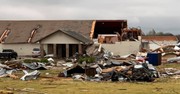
61,50
73,48
50,49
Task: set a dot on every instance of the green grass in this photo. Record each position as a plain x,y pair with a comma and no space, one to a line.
51,84
170,65
68,86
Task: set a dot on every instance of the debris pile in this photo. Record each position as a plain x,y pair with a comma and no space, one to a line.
126,71
107,67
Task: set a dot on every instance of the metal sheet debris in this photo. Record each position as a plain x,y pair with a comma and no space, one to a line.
35,66
29,76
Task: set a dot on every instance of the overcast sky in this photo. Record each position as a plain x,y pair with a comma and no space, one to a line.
161,15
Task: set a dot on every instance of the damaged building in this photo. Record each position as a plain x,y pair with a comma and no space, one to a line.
60,38
151,43
116,37
63,38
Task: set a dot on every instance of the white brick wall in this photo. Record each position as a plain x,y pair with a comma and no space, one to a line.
123,48
21,49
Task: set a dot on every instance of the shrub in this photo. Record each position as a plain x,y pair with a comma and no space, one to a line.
31,60
43,60
88,59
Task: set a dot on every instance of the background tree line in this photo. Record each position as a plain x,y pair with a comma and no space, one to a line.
154,33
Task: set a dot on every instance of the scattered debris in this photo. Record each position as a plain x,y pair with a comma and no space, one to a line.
172,71
175,59
51,61
35,66
112,69
68,65
7,73
177,47
100,65
78,77
49,56
32,75
6,92
27,90
176,77
73,70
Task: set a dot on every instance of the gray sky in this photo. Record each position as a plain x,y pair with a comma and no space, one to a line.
161,15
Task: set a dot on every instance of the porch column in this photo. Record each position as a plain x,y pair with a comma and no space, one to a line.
54,50
42,50
80,49
67,50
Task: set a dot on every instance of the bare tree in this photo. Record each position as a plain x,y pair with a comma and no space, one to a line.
151,33
154,33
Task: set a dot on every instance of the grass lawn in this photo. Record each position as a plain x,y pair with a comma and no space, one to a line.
51,84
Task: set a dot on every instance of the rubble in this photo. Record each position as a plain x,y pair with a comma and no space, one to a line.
7,73
5,66
98,65
15,64
73,70
109,68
